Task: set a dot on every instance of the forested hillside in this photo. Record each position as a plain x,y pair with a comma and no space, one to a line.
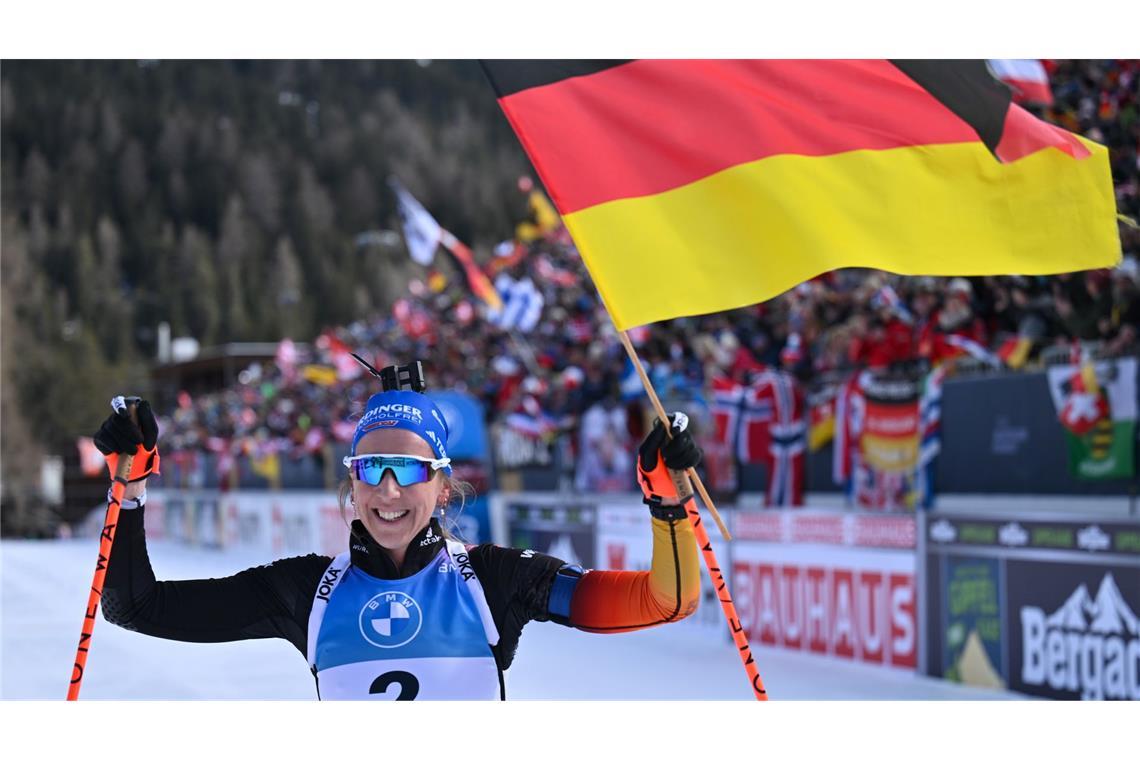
229,199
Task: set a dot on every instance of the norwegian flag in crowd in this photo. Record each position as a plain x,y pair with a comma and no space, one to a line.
972,347
773,431
1026,77
531,420
533,427
930,430
580,329
765,423
522,304
886,297
756,415
551,273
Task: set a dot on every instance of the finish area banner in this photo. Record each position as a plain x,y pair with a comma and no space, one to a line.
1046,607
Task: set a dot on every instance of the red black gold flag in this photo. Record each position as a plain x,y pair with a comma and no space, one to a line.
697,186
481,287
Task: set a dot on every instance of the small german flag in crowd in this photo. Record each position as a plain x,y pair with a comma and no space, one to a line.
696,186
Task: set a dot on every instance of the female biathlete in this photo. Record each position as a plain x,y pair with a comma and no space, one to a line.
407,612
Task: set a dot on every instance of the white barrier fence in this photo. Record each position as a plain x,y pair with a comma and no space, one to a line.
824,582
264,523
819,581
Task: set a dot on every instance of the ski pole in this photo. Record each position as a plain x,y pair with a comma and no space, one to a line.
106,539
681,481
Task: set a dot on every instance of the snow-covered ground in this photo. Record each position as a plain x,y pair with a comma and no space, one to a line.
44,587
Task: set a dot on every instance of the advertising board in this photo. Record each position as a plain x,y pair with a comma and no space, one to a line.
839,585
562,528
1043,606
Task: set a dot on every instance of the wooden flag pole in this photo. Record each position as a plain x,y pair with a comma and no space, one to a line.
691,472
739,637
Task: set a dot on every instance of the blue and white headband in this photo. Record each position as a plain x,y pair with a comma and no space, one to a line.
408,410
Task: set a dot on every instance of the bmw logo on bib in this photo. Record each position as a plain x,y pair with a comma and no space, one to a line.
390,619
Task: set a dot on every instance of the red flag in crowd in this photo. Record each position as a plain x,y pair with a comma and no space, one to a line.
413,321
313,441
343,430
507,254
478,282
727,396
638,335
1085,405
849,408
90,458
1026,77
580,329
340,356
547,271
286,359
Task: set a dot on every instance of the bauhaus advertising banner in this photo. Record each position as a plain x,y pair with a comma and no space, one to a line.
835,585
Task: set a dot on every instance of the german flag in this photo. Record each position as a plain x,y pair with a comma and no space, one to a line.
697,186
478,282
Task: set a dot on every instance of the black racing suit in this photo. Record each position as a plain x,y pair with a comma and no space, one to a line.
274,600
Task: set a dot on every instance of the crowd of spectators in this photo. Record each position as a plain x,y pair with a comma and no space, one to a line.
569,375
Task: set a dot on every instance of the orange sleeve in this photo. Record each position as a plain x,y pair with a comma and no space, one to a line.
613,601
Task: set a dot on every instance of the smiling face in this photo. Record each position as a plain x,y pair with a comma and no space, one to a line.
393,514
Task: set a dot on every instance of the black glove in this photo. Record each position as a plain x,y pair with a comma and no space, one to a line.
657,456
118,435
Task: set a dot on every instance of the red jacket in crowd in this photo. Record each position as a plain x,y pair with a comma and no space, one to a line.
883,345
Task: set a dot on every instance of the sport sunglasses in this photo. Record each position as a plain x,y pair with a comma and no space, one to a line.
407,469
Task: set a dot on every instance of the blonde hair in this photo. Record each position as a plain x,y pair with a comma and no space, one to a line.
458,493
